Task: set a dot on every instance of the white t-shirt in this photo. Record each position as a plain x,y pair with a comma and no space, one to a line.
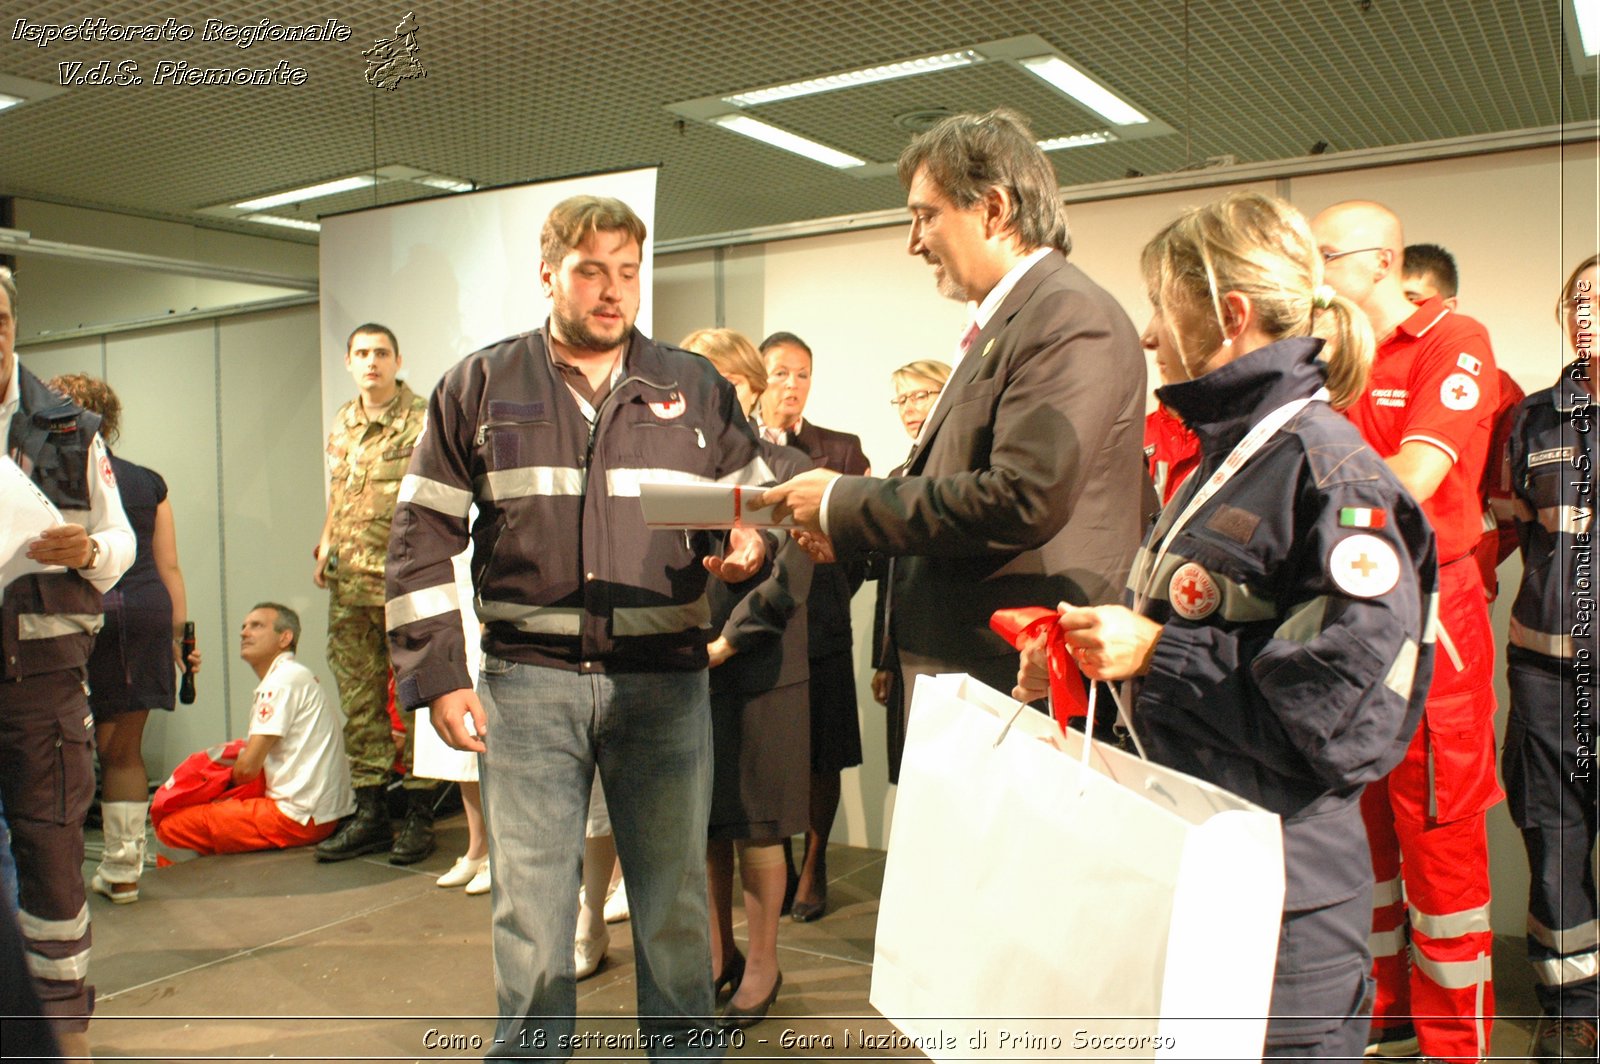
306,771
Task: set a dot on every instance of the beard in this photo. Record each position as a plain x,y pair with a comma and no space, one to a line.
576,332
947,285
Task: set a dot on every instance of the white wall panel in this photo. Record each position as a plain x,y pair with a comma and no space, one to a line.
52,360
272,500
166,381
685,294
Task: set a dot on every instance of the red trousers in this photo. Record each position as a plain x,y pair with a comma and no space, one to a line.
1430,854
237,826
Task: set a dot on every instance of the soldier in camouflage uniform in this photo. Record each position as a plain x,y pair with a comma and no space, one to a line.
369,448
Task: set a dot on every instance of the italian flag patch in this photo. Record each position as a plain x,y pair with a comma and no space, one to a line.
1361,517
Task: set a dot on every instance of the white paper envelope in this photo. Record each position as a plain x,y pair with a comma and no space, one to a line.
706,506
25,512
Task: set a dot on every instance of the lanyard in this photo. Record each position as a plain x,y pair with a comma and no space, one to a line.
1242,452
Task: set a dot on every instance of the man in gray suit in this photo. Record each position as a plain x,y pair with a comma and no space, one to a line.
1027,484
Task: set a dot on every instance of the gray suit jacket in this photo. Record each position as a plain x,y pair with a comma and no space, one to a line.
1028,486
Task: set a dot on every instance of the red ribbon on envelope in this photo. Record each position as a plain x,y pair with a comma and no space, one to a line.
1023,624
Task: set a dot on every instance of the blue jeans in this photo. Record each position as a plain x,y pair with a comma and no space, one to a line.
8,868
649,735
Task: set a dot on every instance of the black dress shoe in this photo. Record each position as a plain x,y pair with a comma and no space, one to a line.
804,912
734,1016
727,984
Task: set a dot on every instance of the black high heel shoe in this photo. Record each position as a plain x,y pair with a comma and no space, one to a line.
734,1016
805,912
727,984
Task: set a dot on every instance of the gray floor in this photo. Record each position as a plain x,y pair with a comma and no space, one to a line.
273,956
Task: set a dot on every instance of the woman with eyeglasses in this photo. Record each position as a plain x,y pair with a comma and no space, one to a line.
1276,643
916,388
1550,668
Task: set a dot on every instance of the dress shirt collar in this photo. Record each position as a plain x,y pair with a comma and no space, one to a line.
991,302
788,435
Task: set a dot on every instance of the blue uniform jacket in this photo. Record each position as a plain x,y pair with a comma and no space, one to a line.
1296,606
1552,474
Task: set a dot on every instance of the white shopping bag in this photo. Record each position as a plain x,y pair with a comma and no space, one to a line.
1035,907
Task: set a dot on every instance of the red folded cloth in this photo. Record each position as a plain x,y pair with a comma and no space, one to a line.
206,776
1024,624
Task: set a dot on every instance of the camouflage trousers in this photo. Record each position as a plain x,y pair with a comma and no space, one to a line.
358,654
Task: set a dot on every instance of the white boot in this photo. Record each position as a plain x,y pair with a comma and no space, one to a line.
122,860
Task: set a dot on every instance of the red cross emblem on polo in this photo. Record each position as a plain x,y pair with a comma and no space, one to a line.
1459,392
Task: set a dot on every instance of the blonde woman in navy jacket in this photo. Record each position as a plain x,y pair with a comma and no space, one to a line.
1276,645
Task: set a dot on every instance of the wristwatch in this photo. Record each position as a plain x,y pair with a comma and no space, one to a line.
94,554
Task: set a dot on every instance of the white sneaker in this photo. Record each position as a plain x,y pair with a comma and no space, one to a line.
480,883
587,953
617,903
463,871
100,885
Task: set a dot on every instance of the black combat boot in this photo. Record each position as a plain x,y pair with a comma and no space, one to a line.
368,831
416,837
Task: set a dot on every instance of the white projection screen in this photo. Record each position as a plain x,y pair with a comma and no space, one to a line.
449,276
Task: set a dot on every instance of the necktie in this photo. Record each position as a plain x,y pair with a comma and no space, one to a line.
970,335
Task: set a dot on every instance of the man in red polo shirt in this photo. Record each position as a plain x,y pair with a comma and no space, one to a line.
1428,410
1430,271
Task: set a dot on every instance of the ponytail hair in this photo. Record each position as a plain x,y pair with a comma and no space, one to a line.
1348,345
1261,247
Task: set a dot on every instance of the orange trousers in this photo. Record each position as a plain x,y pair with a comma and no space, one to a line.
237,826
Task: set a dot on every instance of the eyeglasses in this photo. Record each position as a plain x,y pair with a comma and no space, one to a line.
899,401
1329,256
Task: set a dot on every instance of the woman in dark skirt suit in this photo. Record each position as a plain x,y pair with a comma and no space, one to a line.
132,669
760,728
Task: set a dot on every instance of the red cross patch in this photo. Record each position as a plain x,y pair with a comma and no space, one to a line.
1193,593
106,476
265,712
673,407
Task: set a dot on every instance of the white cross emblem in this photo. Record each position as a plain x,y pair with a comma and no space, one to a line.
1364,566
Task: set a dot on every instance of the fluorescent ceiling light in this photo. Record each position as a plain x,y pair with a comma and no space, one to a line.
1066,78
886,72
792,142
1081,140
15,91
1588,15
310,192
287,223
449,184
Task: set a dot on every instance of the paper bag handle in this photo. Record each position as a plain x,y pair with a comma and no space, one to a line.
1067,697
1025,624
